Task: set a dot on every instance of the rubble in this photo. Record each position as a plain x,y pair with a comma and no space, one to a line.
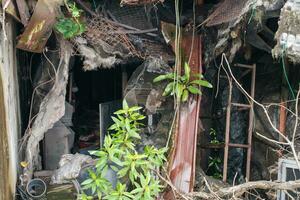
69,168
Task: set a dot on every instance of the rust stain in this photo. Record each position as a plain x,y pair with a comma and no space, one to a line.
40,26
183,156
10,9
5,189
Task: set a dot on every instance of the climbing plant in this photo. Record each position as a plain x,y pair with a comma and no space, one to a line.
71,26
135,171
181,86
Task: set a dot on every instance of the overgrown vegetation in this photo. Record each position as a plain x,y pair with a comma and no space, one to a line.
71,26
181,86
135,171
214,161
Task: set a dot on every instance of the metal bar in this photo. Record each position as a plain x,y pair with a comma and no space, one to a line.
239,145
282,119
227,132
212,146
243,66
251,114
241,105
245,73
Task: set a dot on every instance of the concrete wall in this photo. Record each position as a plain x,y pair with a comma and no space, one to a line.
9,112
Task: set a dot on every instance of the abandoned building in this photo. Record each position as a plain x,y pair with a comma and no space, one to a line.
150,99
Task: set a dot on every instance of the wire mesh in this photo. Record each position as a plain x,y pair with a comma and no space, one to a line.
226,11
101,32
135,16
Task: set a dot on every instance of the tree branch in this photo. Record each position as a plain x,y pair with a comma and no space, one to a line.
242,188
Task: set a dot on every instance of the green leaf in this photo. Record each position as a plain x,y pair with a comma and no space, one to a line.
185,95
86,182
123,172
137,190
202,83
125,105
169,88
199,76
164,77
134,108
187,71
179,90
193,90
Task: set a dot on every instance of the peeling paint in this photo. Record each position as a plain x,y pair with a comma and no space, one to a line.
9,113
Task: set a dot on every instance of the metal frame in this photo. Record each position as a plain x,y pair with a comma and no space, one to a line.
247,146
283,164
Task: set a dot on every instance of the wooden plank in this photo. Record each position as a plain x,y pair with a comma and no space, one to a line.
5,190
9,112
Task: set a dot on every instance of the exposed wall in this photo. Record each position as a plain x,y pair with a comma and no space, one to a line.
9,112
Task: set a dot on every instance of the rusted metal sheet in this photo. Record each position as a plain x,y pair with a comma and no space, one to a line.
40,26
23,11
10,8
183,157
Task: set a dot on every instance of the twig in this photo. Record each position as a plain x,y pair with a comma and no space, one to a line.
242,188
289,142
297,116
94,14
172,186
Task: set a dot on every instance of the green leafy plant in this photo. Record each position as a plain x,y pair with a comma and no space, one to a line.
135,171
213,135
215,161
72,26
181,86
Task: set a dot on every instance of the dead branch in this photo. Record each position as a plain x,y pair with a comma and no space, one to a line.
139,2
51,110
239,190
287,141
